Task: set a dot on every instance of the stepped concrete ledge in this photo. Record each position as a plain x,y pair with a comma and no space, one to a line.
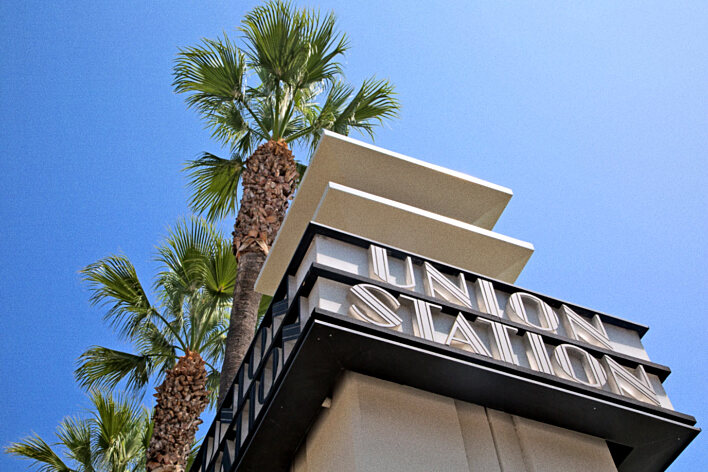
405,227
378,171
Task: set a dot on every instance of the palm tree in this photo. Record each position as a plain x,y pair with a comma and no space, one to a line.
177,341
113,439
297,92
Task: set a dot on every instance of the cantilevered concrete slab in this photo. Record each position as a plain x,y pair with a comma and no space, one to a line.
397,177
406,227
396,185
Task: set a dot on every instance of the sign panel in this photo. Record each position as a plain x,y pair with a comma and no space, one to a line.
454,308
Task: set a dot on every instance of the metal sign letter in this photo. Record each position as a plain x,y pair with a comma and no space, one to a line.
374,305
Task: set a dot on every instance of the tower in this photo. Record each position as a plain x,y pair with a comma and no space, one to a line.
396,341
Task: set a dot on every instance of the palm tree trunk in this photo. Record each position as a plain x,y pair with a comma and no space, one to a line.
244,316
269,179
181,398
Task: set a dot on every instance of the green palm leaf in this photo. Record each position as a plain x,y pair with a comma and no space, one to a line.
75,434
373,103
220,275
101,367
183,256
111,439
114,282
213,72
44,459
118,424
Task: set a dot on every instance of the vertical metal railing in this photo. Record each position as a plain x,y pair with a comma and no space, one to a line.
250,390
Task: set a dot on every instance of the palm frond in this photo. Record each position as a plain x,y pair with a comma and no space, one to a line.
220,275
275,40
75,434
114,282
212,340
326,44
184,256
325,116
229,126
118,422
197,281
159,345
211,73
195,286
100,367
111,439
208,319
293,123
297,47
193,452
374,102
146,429
214,185
301,169
44,459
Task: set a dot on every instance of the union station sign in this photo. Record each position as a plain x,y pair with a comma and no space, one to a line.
391,289
483,327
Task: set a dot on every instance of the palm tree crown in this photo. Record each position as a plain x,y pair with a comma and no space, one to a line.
112,439
292,57
193,289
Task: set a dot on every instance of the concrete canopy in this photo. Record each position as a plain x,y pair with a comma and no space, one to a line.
384,196
375,170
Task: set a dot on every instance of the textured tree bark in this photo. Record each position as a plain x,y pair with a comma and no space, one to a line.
269,179
244,315
181,398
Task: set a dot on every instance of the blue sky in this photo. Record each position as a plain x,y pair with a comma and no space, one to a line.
594,113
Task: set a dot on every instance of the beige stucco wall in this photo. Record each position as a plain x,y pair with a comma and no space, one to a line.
374,425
